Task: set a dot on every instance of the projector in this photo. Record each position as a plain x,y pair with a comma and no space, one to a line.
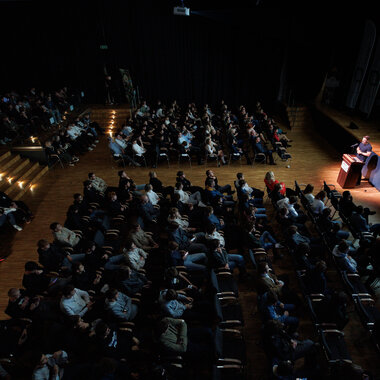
181,11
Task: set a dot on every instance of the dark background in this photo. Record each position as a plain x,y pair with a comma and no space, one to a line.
232,50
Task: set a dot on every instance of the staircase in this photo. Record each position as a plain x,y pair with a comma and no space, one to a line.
297,116
18,175
105,117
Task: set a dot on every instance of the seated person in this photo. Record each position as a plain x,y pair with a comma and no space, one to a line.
315,278
187,185
344,260
184,197
360,224
135,256
153,197
222,189
64,236
185,240
86,280
120,306
131,282
222,259
7,214
291,204
273,309
259,147
308,193
75,301
192,262
196,343
21,213
36,282
212,234
147,211
141,239
318,204
251,190
98,183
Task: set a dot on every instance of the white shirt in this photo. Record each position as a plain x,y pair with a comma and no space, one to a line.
215,235
139,150
121,142
317,206
76,305
183,196
285,203
153,197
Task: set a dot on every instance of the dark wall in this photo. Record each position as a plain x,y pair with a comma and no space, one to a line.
230,50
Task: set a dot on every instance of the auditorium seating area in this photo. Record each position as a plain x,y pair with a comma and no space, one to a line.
144,278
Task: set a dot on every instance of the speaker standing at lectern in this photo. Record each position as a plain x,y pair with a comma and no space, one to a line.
364,150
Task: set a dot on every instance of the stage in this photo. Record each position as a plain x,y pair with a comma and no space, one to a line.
334,126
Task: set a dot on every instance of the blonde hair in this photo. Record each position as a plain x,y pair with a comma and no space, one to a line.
269,176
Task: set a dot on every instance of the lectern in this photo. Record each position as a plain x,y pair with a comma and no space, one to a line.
350,171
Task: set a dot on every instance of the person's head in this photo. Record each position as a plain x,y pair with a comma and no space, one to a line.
293,199
173,226
129,245
209,173
78,197
180,174
136,227
343,247
365,139
269,176
144,199
346,195
240,176
173,245
209,210
112,294
263,267
14,294
242,182
122,174
321,195
292,230
102,330
56,227
211,228
308,189
152,175
91,176
326,213
171,295
43,244
179,186
68,291
148,187
38,359
214,244
78,267
321,266
210,182
171,272
112,196
87,184
283,212
359,209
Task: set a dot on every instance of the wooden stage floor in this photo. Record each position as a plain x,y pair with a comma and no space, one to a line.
313,160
